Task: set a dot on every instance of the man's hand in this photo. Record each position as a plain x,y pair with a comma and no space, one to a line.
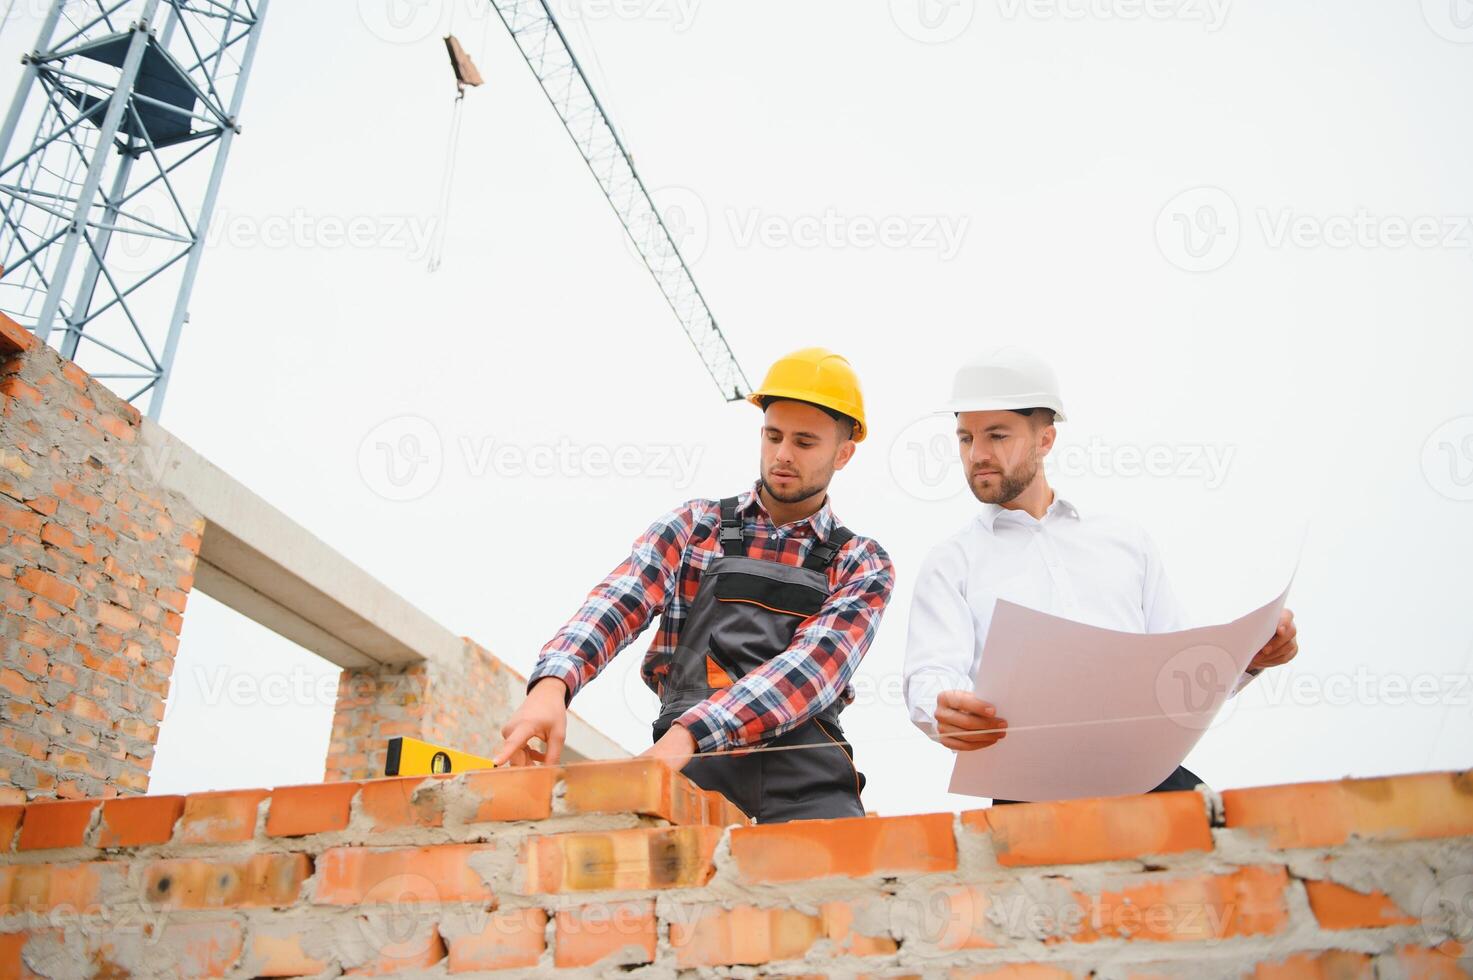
1281,648
543,715
674,748
965,722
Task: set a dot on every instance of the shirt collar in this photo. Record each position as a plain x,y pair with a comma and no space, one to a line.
1059,508
822,521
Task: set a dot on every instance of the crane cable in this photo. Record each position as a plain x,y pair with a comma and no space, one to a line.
442,210
466,75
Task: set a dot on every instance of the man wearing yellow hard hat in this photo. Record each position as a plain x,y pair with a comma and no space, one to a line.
766,603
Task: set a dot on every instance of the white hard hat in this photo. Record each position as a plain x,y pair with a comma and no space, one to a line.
1005,378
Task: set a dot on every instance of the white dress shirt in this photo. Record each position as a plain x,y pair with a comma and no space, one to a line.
1095,569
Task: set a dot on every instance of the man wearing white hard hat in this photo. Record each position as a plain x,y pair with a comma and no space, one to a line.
1032,547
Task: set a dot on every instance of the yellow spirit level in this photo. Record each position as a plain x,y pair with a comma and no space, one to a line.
411,757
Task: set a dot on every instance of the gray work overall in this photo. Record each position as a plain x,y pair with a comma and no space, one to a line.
745,613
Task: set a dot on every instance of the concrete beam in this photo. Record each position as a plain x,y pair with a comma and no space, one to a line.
275,571
272,570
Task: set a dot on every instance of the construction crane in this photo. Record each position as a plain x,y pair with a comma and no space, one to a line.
106,197
544,46
133,229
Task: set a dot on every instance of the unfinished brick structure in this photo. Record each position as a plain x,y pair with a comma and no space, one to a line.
96,564
107,522
600,868
428,701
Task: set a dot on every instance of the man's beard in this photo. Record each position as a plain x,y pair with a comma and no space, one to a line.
1009,485
801,494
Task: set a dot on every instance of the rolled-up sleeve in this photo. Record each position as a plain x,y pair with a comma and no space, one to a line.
941,636
618,608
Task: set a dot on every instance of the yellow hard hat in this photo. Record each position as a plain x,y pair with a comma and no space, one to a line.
818,376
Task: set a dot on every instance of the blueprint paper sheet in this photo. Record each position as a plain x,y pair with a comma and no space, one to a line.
1099,712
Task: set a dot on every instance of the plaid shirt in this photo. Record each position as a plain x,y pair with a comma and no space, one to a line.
660,578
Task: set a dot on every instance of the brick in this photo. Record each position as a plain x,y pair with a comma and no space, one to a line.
87,710
14,387
75,375
747,935
48,887
16,684
854,847
1169,908
116,617
673,857
12,946
48,587
15,338
1337,907
1335,964
357,875
296,811
139,820
515,793
221,817
1326,814
1085,831
277,950
59,537
10,821
15,464
20,520
260,881
644,786
117,428
172,598
509,939
744,936
411,956
52,825
615,934
957,918
398,803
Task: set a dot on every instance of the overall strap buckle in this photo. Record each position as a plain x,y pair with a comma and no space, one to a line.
824,552
733,541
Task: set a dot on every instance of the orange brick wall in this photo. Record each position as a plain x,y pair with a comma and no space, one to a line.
598,869
96,564
461,705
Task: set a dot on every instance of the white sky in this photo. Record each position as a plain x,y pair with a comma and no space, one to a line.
1300,379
